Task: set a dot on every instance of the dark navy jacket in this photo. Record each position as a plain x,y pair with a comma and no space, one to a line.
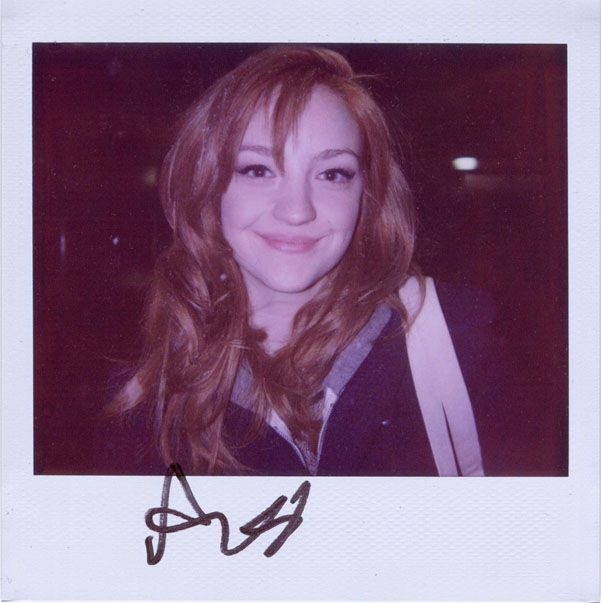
375,427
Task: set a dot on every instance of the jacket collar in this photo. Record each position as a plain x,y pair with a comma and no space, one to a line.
345,366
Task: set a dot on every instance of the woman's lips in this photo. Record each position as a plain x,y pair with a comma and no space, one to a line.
287,244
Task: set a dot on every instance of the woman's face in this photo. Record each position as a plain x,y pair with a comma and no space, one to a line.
289,228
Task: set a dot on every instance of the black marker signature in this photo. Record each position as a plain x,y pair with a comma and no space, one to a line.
263,522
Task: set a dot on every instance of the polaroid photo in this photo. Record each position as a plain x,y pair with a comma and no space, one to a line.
300,301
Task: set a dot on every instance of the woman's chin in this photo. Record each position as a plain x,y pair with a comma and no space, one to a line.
285,284
293,286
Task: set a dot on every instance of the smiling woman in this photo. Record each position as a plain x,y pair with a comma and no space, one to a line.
288,330
289,225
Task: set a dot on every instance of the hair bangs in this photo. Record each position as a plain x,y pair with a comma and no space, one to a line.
292,98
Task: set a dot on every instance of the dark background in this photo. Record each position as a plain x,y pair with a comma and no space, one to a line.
103,119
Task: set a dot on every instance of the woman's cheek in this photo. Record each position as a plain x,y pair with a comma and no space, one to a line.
241,207
343,216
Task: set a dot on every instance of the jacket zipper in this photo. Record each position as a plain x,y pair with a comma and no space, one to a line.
282,430
330,400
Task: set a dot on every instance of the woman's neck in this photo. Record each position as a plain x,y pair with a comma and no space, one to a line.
274,312
275,317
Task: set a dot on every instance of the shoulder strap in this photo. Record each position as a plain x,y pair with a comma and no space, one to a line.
443,397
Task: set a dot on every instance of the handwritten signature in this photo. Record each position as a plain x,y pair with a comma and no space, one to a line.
263,522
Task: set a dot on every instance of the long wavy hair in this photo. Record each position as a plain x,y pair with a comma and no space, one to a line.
196,322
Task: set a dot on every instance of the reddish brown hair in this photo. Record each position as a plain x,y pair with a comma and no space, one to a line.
196,322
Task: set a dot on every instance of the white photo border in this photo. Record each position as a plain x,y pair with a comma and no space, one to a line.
68,537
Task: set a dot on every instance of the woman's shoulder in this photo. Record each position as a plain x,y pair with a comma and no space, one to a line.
470,314
466,306
472,317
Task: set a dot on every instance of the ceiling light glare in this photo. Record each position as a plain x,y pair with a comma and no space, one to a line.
465,164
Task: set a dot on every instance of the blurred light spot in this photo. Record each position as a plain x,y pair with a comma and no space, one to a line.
62,245
465,163
150,176
115,240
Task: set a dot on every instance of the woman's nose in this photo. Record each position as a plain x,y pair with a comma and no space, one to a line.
295,204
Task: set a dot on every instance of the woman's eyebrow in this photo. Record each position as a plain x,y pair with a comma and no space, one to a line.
325,154
330,153
257,148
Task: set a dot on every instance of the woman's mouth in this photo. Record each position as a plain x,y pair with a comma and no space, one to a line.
289,244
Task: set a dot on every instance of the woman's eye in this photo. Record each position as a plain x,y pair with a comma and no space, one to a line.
337,175
255,171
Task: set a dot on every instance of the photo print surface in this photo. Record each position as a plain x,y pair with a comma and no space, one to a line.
479,132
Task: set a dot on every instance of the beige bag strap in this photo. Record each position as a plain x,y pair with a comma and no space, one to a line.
439,384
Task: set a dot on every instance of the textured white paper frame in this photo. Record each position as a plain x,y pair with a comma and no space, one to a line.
362,538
